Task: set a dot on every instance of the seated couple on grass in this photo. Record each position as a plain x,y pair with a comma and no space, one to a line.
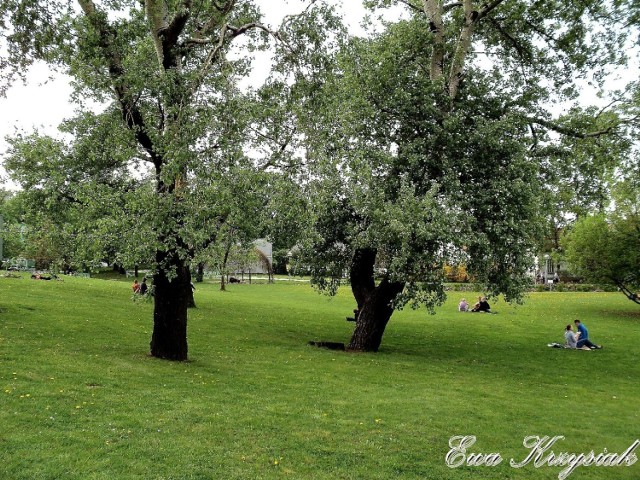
480,306
580,339
140,288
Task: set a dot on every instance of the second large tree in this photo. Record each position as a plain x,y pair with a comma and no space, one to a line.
427,150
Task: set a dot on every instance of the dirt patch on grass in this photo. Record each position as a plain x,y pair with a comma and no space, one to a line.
635,315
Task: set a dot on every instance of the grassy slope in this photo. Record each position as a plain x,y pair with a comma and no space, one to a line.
82,400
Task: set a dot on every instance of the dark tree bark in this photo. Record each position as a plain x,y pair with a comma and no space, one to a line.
633,296
374,302
171,300
191,303
200,273
224,267
361,274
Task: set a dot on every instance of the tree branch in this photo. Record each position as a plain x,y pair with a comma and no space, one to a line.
488,7
570,132
289,18
227,33
156,11
177,24
627,293
516,45
462,48
236,31
170,33
433,12
451,6
215,21
198,41
282,147
109,49
412,6
534,136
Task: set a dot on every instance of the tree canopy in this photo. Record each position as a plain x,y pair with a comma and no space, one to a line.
427,145
604,247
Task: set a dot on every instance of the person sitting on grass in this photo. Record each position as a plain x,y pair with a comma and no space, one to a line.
482,306
463,306
583,336
476,305
143,287
135,287
571,340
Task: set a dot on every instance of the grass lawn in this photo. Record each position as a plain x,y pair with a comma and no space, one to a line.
81,399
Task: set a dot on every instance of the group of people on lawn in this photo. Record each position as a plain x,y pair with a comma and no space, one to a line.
577,340
140,288
480,306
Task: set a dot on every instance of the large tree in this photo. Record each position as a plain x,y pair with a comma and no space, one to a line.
604,246
77,198
577,169
605,249
426,146
165,69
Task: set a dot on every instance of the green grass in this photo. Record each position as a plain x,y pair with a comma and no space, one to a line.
81,399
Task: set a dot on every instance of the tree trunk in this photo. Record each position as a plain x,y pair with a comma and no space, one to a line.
361,274
171,299
224,267
373,317
191,302
200,273
374,302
